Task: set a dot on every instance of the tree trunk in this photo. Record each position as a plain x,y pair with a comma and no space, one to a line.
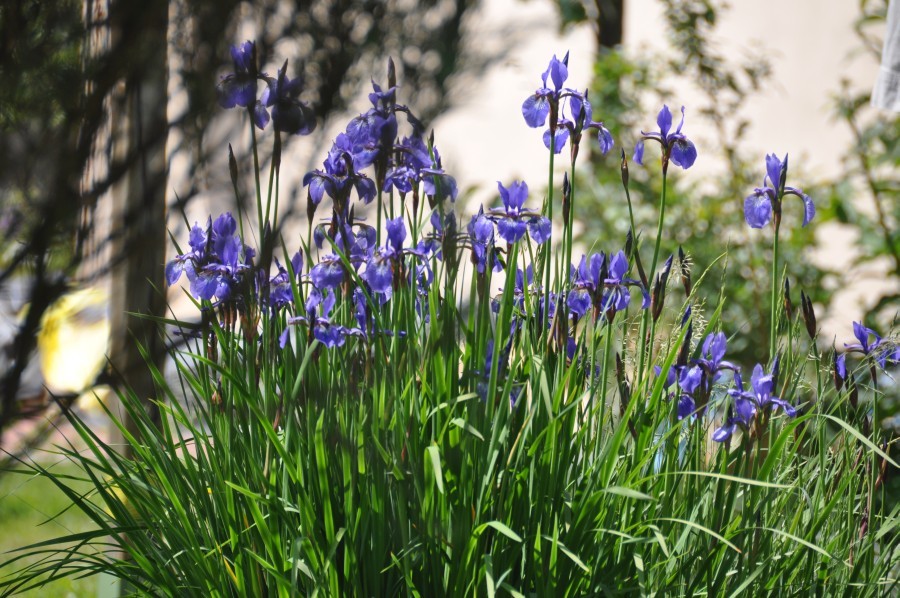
138,234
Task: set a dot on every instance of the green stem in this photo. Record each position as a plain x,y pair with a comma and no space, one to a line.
645,320
773,324
549,244
607,348
259,212
571,218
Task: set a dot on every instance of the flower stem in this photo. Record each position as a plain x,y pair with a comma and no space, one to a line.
645,320
545,316
773,325
259,211
571,219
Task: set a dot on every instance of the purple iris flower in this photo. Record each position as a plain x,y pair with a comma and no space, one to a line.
765,200
341,174
412,163
712,354
329,272
318,321
380,267
675,146
748,403
869,340
871,343
289,114
239,87
572,128
690,380
617,294
696,381
600,282
217,260
545,100
514,219
587,284
481,237
432,244
280,290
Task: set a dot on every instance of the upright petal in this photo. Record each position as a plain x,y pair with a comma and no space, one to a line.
664,121
558,71
773,169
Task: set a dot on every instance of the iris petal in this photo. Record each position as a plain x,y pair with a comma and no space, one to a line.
757,210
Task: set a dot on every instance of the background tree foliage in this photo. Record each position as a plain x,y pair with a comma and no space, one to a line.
59,97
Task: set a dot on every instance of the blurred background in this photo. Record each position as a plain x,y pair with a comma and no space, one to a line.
111,140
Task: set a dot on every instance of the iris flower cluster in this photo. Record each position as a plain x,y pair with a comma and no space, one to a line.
748,404
600,282
550,102
281,95
217,262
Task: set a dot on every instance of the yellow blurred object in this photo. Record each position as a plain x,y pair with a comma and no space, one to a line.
73,343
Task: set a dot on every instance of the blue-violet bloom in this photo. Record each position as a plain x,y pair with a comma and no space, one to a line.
675,145
766,200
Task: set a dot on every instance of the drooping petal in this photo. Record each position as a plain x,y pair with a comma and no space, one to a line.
638,156
684,153
561,137
690,379
788,408
578,301
330,335
396,231
535,109
757,209
327,274
511,230
173,271
606,139
366,189
378,274
686,406
236,90
809,209
539,229
260,116
725,432
745,409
